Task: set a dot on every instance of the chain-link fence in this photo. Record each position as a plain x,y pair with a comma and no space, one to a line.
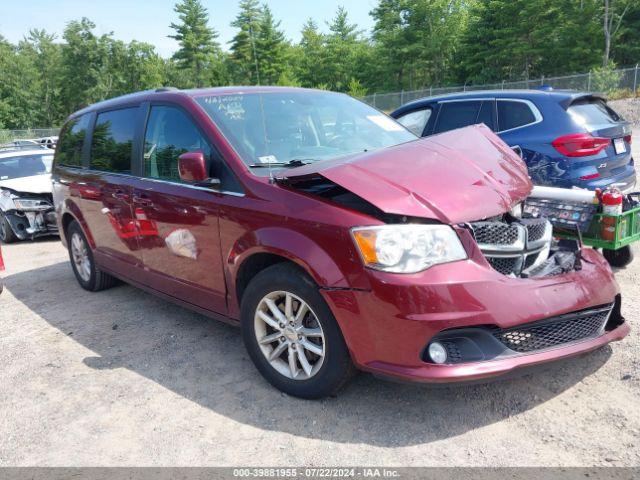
32,133
619,83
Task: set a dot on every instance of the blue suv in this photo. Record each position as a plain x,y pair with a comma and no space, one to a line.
566,138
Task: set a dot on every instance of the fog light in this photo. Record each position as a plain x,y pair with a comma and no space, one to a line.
437,352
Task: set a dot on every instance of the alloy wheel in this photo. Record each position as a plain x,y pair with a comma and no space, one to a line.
290,335
80,255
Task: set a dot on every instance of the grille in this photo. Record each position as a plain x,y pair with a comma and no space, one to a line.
550,333
494,233
511,248
505,265
536,230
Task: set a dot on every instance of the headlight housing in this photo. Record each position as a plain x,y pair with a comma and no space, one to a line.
31,204
407,248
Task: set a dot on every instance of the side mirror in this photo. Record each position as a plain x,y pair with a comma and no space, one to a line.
192,167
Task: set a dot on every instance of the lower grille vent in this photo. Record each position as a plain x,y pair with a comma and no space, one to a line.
558,331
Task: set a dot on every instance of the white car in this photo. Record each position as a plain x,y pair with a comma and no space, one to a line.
26,204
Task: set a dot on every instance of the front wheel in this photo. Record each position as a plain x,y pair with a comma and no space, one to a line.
291,334
7,234
619,258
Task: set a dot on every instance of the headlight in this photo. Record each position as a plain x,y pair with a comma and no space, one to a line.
407,248
27,204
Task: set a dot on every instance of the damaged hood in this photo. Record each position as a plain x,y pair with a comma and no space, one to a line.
458,176
34,184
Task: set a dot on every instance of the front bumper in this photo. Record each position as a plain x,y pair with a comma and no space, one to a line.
28,225
388,327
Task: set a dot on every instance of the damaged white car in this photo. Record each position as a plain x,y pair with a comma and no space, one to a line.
26,206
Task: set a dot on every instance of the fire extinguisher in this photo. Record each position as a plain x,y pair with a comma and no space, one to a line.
611,200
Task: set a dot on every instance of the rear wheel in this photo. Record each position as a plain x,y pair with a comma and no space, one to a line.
291,334
6,232
619,258
89,276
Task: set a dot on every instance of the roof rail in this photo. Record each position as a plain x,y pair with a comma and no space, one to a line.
166,89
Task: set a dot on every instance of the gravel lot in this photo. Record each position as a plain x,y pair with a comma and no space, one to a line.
121,378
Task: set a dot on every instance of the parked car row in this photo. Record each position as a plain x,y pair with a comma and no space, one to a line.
336,238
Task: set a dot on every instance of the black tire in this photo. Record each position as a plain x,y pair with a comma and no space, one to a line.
619,258
7,234
98,280
336,368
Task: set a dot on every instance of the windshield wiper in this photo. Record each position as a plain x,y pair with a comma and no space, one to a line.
296,162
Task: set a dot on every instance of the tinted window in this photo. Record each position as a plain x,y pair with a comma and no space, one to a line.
112,140
593,113
25,166
71,142
514,114
456,115
170,133
486,114
416,121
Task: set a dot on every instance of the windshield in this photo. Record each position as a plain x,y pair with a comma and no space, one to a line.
25,166
276,129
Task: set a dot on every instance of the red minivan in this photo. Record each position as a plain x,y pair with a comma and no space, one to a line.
336,238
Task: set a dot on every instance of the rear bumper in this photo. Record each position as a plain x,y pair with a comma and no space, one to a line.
388,328
626,180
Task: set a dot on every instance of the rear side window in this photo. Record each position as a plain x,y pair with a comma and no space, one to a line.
457,115
513,114
71,142
113,139
416,121
593,113
170,133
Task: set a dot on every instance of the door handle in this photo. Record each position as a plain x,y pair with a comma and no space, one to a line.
120,195
143,200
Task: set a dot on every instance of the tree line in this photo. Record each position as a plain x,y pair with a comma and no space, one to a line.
413,44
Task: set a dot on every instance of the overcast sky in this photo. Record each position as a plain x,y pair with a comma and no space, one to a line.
148,20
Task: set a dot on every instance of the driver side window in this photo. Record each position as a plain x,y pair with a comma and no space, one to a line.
170,133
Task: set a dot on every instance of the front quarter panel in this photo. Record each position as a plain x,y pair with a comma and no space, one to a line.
322,246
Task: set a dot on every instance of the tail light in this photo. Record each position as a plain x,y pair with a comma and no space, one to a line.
580,144
627,139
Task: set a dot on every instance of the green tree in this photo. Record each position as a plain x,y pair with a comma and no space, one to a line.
199,53
310,55
19,88
40,47
343,44
270,48
83,59
626,50
418,39
244,53
516,39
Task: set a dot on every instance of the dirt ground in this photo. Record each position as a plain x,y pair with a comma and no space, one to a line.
121,378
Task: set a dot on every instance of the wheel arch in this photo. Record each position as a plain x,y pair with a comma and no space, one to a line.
72,213
260,249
